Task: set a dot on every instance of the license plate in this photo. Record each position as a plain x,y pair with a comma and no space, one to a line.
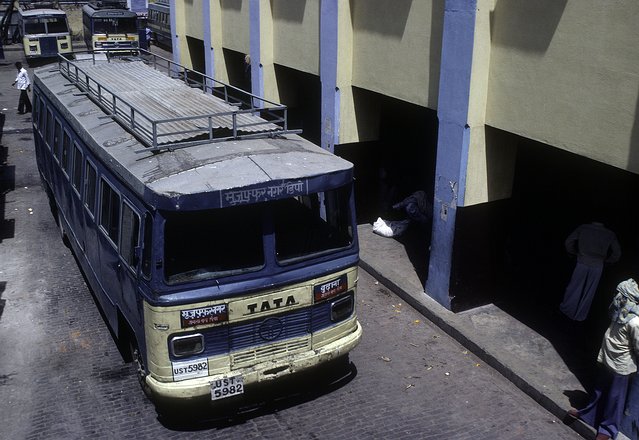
227,387
190,369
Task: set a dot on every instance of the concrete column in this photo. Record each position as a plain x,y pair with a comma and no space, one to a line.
453,140
176,30
257,76
209,54
329,20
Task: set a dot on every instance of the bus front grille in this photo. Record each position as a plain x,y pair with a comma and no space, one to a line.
48,46
251,341
268,352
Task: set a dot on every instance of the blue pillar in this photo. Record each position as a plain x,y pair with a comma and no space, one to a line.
175,40
453,140
257,75
328,73
209,55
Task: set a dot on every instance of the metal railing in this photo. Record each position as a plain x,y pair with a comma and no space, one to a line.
196,129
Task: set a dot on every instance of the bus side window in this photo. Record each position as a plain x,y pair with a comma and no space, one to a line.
109,211
90,188
49,134
66,151
57,141
146,252
77,168
130,234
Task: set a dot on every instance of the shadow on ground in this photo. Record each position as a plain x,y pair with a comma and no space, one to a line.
264,399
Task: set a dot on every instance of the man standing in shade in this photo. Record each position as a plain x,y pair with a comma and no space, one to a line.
594,245
23,84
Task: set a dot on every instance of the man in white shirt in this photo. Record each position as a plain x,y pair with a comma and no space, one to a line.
23,84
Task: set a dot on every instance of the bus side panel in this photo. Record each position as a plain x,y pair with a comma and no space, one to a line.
109,267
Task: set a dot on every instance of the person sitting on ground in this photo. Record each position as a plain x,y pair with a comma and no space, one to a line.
617,361
417,206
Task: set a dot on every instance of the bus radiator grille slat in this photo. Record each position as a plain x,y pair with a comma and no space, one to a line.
267,352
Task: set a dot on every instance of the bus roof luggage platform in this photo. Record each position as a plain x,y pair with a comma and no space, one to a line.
228,146
220,245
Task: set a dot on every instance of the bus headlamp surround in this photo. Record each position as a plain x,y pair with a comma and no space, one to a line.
342,308
189,345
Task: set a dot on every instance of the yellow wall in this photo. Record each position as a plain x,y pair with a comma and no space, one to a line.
396,48
194,19
235,24
296,34
567,73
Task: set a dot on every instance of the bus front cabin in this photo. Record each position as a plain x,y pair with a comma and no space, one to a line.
110,28
44,32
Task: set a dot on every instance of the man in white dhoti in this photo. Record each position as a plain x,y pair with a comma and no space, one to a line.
594,245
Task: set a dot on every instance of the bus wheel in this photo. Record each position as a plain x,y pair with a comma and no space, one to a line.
138,363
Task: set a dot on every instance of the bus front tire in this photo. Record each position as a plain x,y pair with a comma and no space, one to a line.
138,364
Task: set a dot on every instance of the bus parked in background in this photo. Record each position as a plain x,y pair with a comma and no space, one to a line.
43,30
108,24
221,246
159,22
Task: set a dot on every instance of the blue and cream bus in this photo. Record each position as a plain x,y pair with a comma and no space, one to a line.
159,22
109,24
220,245
44,32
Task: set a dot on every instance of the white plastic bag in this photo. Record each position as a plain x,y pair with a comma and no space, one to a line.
390,228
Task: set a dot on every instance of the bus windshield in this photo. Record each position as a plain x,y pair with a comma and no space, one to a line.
56,25
42,25
221,242
213,243
114,26
305,229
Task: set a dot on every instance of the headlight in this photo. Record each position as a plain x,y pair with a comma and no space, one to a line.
98,44
182,346
64,45
33,48
342,308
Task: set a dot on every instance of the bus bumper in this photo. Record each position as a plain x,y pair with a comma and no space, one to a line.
267,371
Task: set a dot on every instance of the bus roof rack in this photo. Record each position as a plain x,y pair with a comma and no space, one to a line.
28,5
108,4
167,106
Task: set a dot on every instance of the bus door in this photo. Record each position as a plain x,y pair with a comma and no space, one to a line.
127,271
119,255
108,244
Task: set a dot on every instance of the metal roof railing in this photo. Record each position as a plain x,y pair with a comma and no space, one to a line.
238,115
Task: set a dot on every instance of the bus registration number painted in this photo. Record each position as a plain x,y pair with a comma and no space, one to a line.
227,387
190,369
